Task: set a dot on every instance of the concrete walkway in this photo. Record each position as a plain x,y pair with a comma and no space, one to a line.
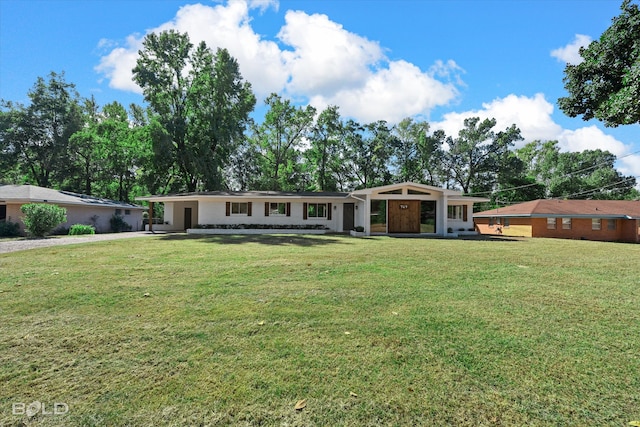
14,245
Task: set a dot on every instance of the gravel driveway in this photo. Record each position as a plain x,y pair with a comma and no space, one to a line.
24,244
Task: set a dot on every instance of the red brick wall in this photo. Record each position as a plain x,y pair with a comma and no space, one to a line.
581,228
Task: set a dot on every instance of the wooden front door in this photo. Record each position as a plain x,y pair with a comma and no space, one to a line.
347,216
404,216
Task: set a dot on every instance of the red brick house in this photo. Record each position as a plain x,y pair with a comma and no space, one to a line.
604,220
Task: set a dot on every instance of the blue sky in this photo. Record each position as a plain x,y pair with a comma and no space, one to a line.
437,60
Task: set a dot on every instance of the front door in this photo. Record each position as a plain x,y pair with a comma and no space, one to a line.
404,216
187,218
347,217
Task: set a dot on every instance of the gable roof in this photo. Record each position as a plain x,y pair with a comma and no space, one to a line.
35,194
568,209
452,195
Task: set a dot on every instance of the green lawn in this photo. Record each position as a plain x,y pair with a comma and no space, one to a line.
176,330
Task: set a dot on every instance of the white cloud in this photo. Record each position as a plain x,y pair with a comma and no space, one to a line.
533,117
570,53
590,138
225,26
325,58
319,61
630,166
117,65
391,94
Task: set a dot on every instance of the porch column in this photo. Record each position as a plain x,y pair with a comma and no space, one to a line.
441,215
151,217
367,215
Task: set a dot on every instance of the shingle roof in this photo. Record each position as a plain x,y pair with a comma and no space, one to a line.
34,194
568,208
250,194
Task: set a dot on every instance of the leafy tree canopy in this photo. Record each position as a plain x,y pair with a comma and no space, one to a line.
606,85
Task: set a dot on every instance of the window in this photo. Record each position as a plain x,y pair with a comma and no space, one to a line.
596,223
277,208
427,216
127,211
492,221
411,191
551,223
455,212
398,191
611,224
316,210
506,222
118,211
378,216
239,208
566,223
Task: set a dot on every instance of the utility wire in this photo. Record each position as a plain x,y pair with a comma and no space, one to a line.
567,175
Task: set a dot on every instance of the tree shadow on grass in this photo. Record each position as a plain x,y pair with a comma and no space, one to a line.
264,239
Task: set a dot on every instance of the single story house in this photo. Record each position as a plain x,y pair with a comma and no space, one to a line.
605,220
405,208
81,209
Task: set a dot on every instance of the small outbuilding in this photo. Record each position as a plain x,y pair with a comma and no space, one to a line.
603,220
81,209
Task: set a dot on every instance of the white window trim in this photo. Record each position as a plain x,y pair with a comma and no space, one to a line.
276,212
326,207
458,214
246,213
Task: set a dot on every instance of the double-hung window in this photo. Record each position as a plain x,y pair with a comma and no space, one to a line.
455,212
277,208
239,208
317,210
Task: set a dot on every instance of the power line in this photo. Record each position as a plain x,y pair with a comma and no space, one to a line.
567,175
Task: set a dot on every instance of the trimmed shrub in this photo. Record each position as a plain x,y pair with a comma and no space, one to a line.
118,224
41,218
9,229
78,229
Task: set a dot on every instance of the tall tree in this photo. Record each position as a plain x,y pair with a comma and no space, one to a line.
323,153
201,101
474,156
606,84
85,151
586,174
279,140
411,153
368,151
38,134
431,158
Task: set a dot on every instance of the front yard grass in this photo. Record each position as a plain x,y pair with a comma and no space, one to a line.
234,330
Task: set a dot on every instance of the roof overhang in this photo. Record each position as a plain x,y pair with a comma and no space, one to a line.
267,195
551,215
